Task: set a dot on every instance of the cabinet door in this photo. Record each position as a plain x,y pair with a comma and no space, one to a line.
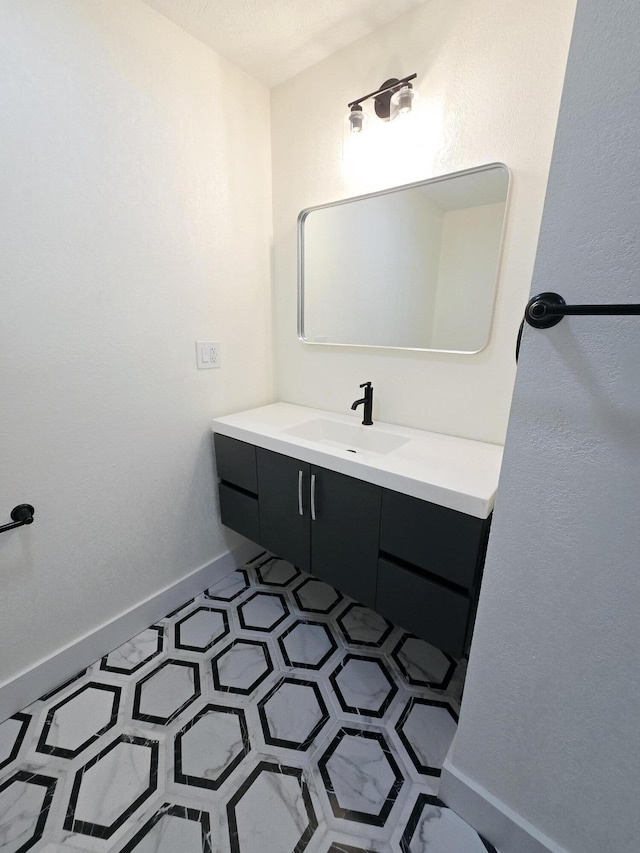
283,487
441,541
344,535
430,610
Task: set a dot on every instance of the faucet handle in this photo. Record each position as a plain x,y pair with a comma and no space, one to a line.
366,385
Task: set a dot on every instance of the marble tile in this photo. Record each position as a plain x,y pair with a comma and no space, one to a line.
433,828
276,572
293,713
426,728
201,629
166,691
272,811
314,596
173,828
361,626
12,734
78,720
363,685
110,787
25,799
337,846
262,611
135,653
307,644
230,587
269,714
211,746
241,666
422,665
361,776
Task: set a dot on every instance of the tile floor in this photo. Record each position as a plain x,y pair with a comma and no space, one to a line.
270,714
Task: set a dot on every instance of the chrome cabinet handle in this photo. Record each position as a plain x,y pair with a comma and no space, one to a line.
300,508
313,497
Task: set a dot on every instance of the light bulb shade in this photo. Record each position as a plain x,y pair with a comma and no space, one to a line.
357,119
403,100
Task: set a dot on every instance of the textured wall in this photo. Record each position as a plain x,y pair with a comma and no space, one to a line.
490,77
135,219
549,721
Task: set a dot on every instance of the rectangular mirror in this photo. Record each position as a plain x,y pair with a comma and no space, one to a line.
413,267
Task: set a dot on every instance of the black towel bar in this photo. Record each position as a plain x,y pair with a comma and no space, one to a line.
547,309
21,514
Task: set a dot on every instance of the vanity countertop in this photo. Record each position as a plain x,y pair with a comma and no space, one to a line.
457,473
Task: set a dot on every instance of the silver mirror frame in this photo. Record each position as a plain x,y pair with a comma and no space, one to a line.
438,179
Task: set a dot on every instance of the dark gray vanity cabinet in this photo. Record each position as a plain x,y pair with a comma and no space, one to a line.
238,489
322,521
429,571
285,507
417,563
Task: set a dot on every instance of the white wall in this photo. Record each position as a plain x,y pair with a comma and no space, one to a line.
135,219
490,76
549,722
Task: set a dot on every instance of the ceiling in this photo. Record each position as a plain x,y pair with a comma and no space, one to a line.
274,40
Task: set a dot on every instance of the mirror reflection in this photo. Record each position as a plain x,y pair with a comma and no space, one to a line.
413,267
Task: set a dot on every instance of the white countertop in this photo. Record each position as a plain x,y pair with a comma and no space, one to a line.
454,472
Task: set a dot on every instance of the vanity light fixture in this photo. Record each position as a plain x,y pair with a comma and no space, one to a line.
391,99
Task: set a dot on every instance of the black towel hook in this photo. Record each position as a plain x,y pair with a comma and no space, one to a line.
547,309
21,514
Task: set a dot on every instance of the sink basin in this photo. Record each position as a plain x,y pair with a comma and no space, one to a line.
356,439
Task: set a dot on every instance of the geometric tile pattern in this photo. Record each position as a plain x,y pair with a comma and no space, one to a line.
133,655
201,629
426,729
432,826
167,832
363,685
292,714
262,611
307,645
211,746
12,735
275,572
361,626
353,755
242,666
423,665
271,713
272,810
166,691
78,720
110,787
25,800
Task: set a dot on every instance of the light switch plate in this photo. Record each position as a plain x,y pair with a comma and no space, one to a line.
207,354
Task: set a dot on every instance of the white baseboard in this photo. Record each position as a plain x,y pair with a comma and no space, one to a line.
47,674
508,831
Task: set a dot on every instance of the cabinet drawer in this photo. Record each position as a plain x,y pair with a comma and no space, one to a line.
239,511
430,611
236,461
440,540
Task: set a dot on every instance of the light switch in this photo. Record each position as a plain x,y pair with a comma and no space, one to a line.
207,354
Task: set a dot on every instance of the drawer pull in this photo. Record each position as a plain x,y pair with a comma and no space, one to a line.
300,508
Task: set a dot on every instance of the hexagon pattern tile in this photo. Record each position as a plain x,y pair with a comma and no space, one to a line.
434,827
270,714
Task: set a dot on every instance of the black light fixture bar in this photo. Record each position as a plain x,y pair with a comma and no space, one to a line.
396,84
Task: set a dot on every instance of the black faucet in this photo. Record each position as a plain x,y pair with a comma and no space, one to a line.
368,403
